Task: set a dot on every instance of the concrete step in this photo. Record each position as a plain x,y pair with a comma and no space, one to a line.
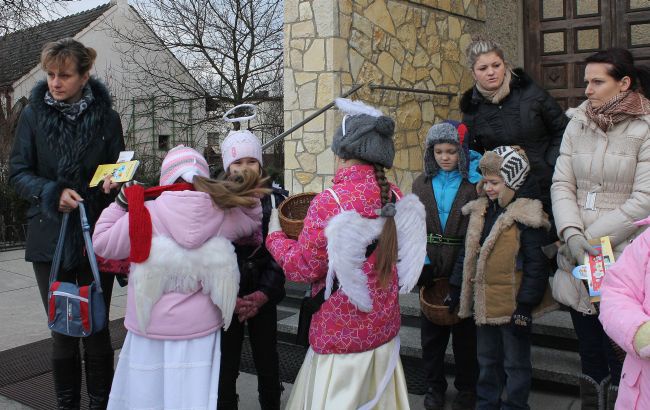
553,330
556,362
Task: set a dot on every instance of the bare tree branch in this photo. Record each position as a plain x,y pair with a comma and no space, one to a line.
233,48
20,14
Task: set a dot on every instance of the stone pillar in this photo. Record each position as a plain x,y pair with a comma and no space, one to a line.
316,71
332,44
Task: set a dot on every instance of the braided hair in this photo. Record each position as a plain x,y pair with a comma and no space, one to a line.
387,245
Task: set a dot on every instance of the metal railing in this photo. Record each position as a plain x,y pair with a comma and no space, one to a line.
353,90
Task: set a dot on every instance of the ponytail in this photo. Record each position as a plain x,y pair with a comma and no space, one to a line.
387,246
240,190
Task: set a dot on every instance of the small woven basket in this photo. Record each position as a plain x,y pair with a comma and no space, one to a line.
292,212
431,303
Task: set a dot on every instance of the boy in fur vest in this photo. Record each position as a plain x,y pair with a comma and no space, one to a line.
503,275
447,184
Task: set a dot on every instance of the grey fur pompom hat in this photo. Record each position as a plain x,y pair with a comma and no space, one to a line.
365,134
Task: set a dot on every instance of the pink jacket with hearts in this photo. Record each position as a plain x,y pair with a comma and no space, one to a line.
183,221
625,305
339,327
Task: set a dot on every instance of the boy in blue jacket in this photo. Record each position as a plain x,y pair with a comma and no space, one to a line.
447,184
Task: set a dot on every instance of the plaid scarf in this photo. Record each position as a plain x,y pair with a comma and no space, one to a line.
627,104
74,110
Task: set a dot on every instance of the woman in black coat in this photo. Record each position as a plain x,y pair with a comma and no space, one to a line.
506,107
66,131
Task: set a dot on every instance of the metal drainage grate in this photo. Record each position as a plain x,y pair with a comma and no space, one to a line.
27,379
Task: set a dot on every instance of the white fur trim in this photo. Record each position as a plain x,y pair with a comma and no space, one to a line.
410,219
348,235
350,107
172,268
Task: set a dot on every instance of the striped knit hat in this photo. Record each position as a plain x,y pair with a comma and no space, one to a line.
509,162
183,162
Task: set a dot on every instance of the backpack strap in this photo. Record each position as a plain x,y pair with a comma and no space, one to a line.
335,196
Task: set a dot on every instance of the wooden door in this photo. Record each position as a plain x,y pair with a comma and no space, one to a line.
560,34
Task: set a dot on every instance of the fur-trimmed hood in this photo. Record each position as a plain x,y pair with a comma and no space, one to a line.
68,151
70,140
526,211
471,98
103,100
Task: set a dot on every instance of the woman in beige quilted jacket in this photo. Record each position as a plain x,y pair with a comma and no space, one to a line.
601,186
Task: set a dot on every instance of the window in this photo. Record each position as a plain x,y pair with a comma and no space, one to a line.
163,142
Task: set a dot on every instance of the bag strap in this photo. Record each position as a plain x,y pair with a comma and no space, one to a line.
90,251
85,227
56,262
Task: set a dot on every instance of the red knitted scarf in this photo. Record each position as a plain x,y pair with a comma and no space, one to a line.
140,229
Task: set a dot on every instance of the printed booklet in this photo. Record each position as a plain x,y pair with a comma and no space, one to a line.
595,266
120,172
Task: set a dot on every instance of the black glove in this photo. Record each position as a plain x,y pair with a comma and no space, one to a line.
453,298
120,199
522,320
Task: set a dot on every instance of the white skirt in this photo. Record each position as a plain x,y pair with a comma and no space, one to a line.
167,374
368,380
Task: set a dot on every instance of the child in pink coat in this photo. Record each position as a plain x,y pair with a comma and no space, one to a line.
183,280
625,315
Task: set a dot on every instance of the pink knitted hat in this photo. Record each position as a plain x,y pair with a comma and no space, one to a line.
182,162
240,144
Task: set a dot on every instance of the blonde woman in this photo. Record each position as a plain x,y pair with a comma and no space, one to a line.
66,131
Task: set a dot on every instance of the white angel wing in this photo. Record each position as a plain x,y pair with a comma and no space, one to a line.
410,220
348,235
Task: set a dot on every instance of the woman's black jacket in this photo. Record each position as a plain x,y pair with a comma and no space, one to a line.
41,166
528,117
257,268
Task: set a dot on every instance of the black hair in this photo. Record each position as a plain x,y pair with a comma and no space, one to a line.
621,64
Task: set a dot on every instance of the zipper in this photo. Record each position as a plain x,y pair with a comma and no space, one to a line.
69,295
68,314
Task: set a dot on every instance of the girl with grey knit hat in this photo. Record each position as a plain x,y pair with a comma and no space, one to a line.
362,243
445,186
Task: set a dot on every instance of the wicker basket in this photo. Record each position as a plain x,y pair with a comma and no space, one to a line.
292,212
431,303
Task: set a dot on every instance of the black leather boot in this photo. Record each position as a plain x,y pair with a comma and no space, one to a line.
67,382
99,377
270,398
228,403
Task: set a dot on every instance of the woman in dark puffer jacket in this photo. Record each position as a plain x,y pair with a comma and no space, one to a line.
506,107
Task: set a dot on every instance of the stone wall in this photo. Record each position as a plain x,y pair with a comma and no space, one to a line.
504,22
332,44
